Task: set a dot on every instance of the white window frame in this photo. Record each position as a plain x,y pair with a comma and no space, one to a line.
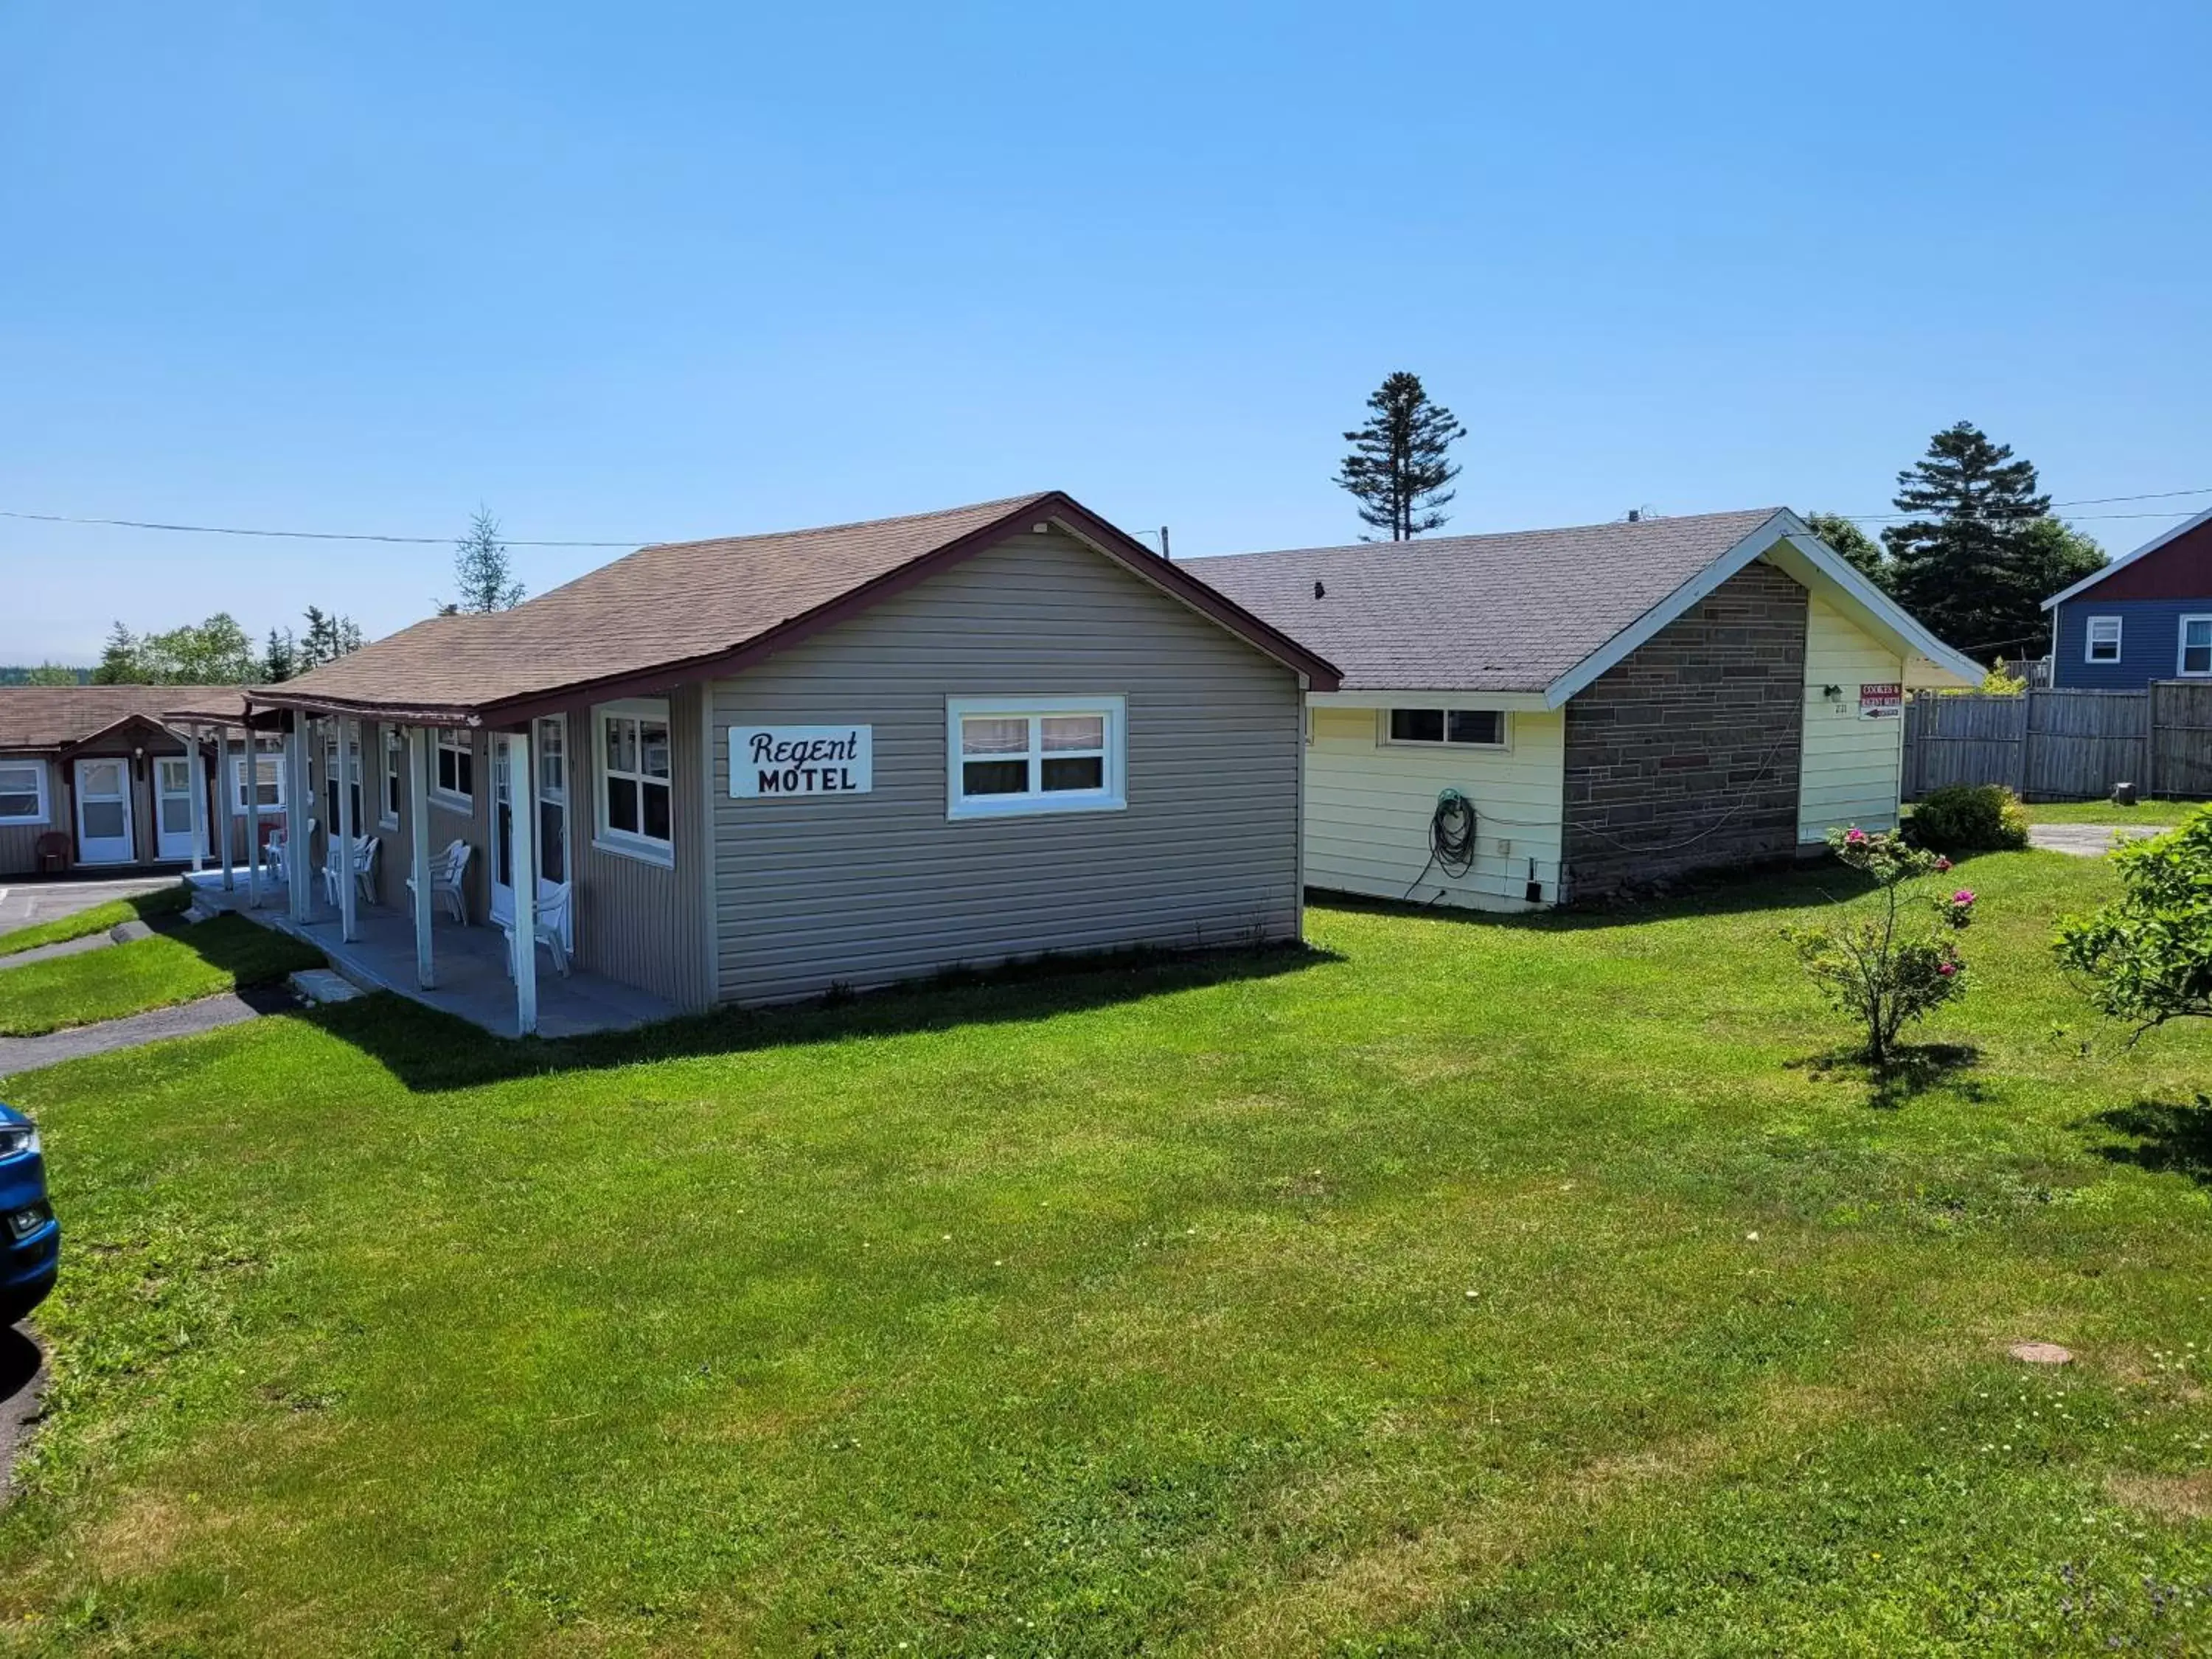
2181,668
265,749
1036,801
1383,738
391,788
632,843
458,741
328,794
2090,641
45,810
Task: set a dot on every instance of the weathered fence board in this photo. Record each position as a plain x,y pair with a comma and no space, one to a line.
2063,745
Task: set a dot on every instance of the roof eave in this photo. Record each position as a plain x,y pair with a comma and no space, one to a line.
2127,559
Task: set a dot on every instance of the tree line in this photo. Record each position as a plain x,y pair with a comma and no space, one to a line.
1973,557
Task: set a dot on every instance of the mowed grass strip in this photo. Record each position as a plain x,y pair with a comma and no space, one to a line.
1466,1287
139,906
2148,814
200,961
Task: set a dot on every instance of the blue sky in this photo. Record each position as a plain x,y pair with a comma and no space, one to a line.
652,271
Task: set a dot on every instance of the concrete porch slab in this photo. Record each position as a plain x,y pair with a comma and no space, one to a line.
470,963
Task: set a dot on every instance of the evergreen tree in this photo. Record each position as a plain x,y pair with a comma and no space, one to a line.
280,660
52,673
122,662
481,571
1399,463
1860,549
1965,562
328,637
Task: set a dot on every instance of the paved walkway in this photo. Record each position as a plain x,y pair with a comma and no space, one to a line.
2086,841
185,1020
24,903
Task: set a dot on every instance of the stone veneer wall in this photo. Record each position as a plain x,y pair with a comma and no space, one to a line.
1685,756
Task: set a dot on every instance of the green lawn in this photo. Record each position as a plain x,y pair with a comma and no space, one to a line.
162,902
148,973
1471,1286
2152,813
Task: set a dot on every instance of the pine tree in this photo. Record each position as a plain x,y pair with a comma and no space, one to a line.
280,660
481,569
122,659
1397,467
1965,562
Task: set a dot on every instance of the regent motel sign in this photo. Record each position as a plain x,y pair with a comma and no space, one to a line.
769,761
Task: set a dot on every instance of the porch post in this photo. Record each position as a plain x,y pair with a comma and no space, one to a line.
296,803
252,812
522,818
341,852
418,840
229,822
193,781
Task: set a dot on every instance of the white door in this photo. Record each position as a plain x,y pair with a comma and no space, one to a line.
103,812
173,806
551,760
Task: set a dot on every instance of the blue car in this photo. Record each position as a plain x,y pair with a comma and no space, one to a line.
30,1238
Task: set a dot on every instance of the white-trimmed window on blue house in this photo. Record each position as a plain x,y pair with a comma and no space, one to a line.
1457,728
2196,657
636,803
2102,643
22,792
1016,756
452,769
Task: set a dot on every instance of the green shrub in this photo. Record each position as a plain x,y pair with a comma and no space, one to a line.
2146,956
1970,818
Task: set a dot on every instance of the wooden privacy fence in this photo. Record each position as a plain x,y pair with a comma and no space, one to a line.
2063,745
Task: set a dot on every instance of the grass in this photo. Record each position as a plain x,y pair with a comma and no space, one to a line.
215,956
140,906
2151,813
1469,1287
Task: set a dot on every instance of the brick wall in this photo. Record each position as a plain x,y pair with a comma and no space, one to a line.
1697,734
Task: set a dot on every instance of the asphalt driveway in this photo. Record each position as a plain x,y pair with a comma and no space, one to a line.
25,904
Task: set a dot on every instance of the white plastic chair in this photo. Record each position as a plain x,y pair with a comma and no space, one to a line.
552,918
446,871
276,845
364,869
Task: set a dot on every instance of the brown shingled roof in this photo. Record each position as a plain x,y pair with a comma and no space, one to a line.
51,717
677,610
1509,612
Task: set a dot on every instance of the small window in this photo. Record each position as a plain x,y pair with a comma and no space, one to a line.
453,779
1474,728
2104,644
2197,645
636,790
22,792
331,783
395,761
268,762
1019,756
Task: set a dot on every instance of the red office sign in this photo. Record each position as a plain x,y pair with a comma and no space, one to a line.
1881,702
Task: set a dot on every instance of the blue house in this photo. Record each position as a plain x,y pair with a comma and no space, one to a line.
2145,617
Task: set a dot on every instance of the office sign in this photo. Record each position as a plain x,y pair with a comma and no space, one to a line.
769,762
1882,702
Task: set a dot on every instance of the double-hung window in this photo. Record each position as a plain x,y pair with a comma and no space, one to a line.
395,760
2103,641
22,792
331,783
268,762
454,771
636,804
2196,656
1010,756
1470,728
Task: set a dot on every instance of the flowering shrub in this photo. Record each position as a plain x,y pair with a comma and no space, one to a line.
2146,956
1888,963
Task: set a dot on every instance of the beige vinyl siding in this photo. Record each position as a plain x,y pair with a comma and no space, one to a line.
1851,765
1368,806
868,890
645,924
19,843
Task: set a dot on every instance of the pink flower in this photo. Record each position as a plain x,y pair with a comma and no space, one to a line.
1942,865
1963,896
1855,836
1947,968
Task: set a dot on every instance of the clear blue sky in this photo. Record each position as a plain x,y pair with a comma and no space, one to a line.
658,271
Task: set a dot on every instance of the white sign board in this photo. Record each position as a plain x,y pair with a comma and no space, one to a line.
768,762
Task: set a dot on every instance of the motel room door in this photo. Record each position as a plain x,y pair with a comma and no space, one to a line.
551,758
173,806
103,811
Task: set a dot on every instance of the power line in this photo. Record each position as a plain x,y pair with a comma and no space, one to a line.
2081,500
291,535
